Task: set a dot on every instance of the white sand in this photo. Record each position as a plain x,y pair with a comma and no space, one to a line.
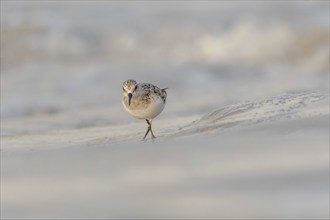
244,134
265,159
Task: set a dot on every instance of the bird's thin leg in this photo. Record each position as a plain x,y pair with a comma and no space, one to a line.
152,133
146,134
149,129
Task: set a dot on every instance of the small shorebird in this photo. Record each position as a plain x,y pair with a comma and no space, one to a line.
143,101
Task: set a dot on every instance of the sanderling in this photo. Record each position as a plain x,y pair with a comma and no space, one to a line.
143,101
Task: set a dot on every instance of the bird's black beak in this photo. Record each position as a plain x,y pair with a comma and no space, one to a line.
129,98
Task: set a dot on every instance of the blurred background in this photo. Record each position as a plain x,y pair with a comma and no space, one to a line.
71,57
244,134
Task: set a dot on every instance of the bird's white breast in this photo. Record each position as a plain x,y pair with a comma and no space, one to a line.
145,110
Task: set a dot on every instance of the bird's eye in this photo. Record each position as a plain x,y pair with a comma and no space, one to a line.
135,87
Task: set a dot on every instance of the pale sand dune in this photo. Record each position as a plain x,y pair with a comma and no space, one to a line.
266,158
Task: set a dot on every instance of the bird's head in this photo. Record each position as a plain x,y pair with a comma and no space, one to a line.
129,86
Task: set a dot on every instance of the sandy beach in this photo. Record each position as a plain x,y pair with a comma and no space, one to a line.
245,130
